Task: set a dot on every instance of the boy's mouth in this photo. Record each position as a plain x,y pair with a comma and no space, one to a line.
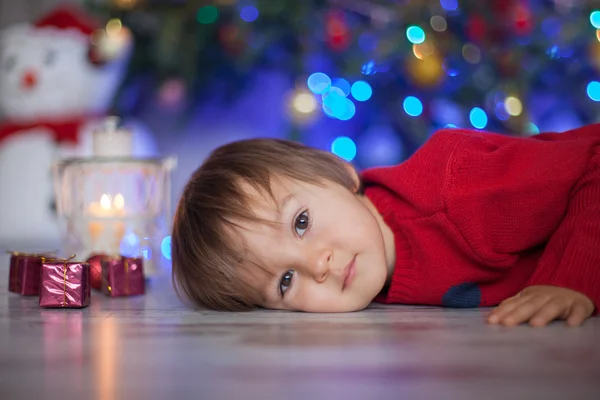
349,273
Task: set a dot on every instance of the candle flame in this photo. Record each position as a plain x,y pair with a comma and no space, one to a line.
119,201
105,202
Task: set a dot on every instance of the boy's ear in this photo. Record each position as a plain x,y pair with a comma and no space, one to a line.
355,177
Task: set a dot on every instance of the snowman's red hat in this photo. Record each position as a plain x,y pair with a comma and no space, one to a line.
69,17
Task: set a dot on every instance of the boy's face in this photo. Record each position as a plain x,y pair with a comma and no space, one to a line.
326,249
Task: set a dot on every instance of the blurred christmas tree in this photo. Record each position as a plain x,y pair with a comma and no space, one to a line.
509,65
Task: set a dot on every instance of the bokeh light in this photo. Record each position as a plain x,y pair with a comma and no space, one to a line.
413,106
334,103
449,5
501,112
595,19
348,111
415,34
368,68
379,146
513,106
249,13
361,91
344,147
165,247
478,118
304,102
130,245
532,129
342,84
438,23
207,15
593,90
318,82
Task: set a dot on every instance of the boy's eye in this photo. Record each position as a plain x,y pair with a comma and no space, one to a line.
302,223
286,282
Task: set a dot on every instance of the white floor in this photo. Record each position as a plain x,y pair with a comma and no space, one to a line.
153,347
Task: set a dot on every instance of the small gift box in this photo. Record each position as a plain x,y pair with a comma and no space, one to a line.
24,273
64,284
123,276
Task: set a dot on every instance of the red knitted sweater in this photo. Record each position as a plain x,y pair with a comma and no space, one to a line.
479,216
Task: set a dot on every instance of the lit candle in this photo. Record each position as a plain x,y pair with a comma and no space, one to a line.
107,208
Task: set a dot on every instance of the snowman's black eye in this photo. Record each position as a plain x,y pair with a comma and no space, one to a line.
9,63
50,57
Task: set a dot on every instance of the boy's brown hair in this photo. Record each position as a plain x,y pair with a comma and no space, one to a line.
207,254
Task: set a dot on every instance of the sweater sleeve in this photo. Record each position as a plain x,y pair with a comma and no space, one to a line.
506,195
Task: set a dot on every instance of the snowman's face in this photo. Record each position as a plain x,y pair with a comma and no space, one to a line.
46,73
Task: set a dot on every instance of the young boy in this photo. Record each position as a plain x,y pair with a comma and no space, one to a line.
471,219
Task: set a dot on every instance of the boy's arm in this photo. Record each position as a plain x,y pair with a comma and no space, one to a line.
506,195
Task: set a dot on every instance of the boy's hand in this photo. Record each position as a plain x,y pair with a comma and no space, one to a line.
541,304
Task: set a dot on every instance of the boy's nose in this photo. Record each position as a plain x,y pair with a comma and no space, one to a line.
323,265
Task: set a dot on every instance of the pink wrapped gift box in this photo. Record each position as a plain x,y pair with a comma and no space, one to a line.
65,284
24,274
123,276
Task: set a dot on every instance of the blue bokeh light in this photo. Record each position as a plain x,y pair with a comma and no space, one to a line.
344,147
130,245
343,84
379,146
368,68
501,112
595,19
348,112
415,34
361,91
334,102
593,90
165,247
478,118
449,5
413,106
249,13
318,82
533,129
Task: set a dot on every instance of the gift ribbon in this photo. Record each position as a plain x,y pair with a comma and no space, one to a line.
126,264
65,261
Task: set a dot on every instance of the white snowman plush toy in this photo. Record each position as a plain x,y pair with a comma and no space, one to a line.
57,79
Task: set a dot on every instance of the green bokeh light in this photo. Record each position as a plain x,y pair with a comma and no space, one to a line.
207,15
